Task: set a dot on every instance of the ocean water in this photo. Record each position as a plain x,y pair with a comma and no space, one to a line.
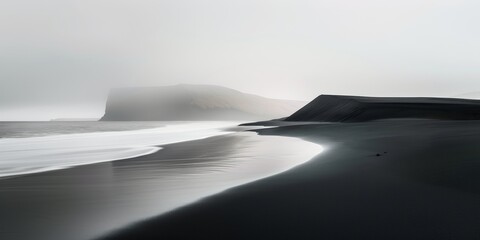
37,147
38,129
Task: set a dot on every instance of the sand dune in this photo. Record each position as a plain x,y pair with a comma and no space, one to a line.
333,108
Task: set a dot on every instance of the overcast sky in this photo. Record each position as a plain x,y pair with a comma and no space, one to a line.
58,58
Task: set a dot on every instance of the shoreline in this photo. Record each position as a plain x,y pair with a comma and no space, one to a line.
56,152
118,193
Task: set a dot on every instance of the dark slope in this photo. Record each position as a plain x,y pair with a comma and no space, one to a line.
193,102
332,108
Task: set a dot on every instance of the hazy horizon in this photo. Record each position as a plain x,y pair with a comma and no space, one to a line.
60,57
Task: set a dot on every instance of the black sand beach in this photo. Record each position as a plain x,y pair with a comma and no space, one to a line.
394,179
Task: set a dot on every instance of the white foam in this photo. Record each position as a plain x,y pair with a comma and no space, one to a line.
38,154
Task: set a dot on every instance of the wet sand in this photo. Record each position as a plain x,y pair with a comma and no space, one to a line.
397,179
89,201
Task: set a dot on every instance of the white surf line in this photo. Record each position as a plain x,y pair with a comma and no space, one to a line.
20,156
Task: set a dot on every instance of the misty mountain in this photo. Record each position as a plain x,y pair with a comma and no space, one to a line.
74,119
333,108
193,102
473,95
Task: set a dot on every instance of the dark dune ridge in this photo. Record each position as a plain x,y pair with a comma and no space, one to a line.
193,103
334,108
392,179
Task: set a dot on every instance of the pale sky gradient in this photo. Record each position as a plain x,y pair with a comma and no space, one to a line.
58,58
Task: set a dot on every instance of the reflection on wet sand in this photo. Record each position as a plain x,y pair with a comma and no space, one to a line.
88,201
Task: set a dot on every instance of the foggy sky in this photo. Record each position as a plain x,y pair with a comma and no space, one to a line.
58,58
